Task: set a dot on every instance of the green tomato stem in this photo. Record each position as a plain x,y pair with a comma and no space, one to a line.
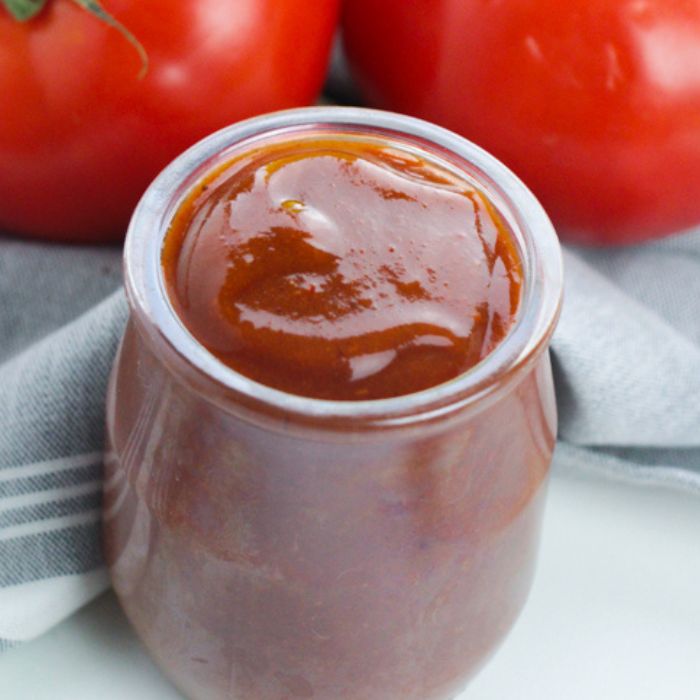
23,10
94,8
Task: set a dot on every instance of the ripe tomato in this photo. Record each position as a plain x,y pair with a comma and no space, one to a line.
82,135
594,103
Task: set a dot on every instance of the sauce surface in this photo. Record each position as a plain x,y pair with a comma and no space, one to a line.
342,269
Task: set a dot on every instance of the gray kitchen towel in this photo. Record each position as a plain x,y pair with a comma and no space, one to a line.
61,315
626,359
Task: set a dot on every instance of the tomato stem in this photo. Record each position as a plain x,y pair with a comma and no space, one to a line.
94,8
23,10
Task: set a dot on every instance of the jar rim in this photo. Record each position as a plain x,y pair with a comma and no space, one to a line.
526,340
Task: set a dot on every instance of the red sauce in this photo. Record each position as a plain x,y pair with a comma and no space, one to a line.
342,269
265,554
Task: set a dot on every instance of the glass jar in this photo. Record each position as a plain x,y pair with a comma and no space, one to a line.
268,546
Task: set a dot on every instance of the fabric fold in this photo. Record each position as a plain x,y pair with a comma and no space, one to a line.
626,374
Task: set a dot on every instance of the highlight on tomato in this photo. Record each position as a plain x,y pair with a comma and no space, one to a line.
594,103
96,98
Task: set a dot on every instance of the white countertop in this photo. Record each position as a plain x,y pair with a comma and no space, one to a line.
614,614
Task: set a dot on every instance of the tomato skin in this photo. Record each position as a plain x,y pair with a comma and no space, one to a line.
594,103
81,135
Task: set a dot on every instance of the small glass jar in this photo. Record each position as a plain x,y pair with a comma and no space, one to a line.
268,546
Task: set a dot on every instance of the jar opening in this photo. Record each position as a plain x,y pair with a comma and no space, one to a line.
529,226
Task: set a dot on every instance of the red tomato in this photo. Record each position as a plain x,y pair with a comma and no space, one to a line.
81,135
594,103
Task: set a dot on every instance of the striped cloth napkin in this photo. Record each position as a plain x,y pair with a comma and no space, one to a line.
626,358
60,320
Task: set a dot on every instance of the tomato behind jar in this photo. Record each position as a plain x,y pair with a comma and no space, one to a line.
82,133
594,103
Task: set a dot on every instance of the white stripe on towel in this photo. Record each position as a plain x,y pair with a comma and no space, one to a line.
42,526
61,493
50,466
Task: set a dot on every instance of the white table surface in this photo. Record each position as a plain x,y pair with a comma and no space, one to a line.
614,615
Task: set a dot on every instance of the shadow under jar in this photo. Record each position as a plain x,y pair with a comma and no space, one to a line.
270,546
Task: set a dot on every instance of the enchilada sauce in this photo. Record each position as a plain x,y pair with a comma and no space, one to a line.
342,269
268,557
